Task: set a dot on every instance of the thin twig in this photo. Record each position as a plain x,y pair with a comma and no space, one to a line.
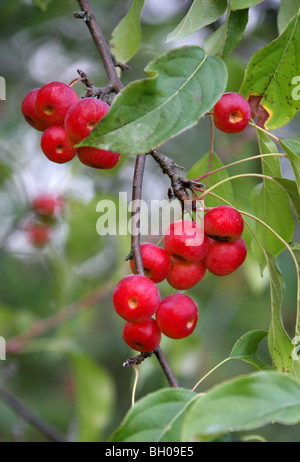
16,344
90,19
29,416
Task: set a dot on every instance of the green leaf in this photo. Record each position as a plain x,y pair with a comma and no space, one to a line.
240,4
227,37
200,14
183,84
292,191
42,4
127,36
95,396
268,79
246,348
288,9
155,418
243,403
271,203
201,167
280,345
292,150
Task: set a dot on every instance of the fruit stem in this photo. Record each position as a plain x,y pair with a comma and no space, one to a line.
265,131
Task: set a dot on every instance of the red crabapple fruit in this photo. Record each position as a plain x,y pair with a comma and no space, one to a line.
184,275
57,145
97,158
53,101
29,112
232,113
177,316
186,239
82,117
136,298
143,336
224,258
223,223
156,262
48,205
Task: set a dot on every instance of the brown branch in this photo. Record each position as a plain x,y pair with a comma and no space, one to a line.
109,64
16,344
30,417
180,185
101,45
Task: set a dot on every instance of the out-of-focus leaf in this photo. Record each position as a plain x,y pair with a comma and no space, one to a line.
83,241
126,37
200,14
95,396
287,10
240,4
42,4
182,85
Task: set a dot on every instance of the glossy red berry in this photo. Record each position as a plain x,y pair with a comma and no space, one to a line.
48,205
232,113
53,101
82,117
57,145
186,239
224,258
177,316
156,262
183,275
97,158
136,298
143,336
29,112
223,223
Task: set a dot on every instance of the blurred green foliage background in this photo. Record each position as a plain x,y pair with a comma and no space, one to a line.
72,376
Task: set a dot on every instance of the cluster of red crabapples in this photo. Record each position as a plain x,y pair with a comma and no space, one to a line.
65,120
45,211
190,251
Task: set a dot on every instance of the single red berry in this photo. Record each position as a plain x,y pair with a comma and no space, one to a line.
177,316
57,145
156,262
223,223
186,239
38,234
232,113
82,117
225,257
29,112
136,298
53,101
184,275
97,158
48,205
143,336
